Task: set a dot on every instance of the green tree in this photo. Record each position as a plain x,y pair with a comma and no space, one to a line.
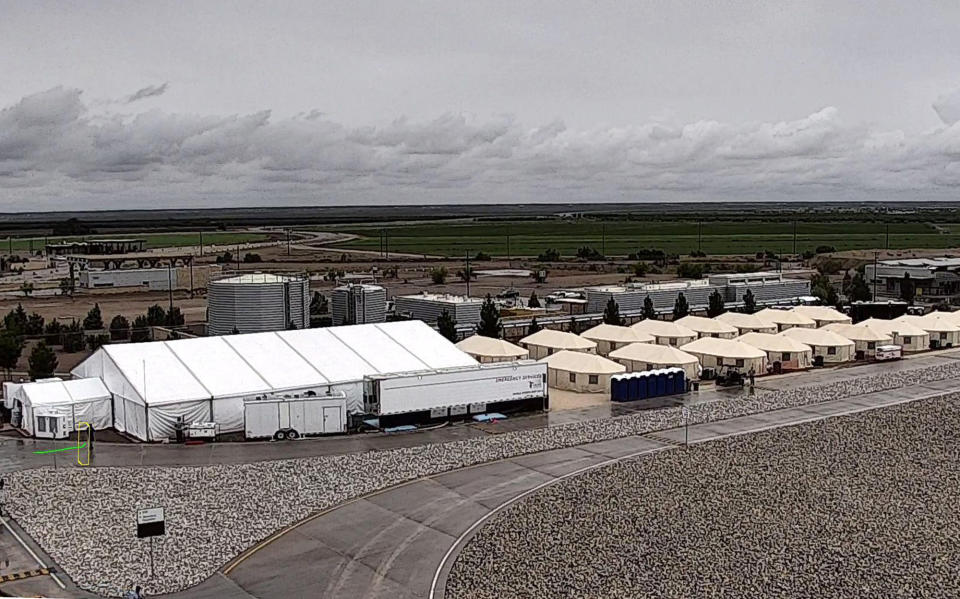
859,290
648,310
140,331
640,269
490,325
534,326
42,361
252,258
534,301
716,304
551,255
174,318
749,302
156,316
53,332
611,314
466,272
680,307
447,326
95,342
72,337
10,349
94,319
438,275
119,328
15,321
689,270
318,304
26,289
66,286
908,289
34,324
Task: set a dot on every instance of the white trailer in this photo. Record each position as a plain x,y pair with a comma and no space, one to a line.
292,417
457,391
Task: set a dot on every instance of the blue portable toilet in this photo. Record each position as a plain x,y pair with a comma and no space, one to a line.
616,388
652,382
634,392
642,385
681,381
668,382
661,383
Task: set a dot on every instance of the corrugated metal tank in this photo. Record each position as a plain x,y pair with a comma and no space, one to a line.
256,302
359,304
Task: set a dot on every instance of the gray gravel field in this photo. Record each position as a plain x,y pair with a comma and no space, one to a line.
85,517
866,505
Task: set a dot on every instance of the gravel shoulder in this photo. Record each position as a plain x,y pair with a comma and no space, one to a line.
866,505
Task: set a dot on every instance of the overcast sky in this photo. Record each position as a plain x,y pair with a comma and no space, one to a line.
149,104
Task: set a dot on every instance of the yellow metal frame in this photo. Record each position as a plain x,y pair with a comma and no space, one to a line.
81,444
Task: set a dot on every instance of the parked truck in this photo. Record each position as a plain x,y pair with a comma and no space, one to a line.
294,416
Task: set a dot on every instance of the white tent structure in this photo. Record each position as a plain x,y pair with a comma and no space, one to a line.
709,327
546,342
790,353
718,353
487,349
207,379
580,372
908,336
831,346
666,333
609,337
865,338
822,315
943,332
785,319
78,400
747,323
638,357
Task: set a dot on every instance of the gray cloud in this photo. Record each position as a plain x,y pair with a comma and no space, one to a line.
55,152
947,107
150,91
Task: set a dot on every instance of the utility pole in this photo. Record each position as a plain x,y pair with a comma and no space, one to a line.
699,237
386,244
288,242
467,272
170,281
603,238
794,236
887,244
875,254
201,243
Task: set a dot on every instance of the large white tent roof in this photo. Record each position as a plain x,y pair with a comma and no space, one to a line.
63,392
858,332
777,343
662,328
653,354
821,337
479,345
726,348
210,367
707,325
584,363
618,334
558,340
785,317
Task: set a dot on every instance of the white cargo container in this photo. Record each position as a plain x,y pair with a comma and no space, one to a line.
889,352
457,391
293,417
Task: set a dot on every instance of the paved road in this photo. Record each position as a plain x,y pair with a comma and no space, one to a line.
391,544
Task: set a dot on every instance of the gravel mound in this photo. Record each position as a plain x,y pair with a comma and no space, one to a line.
85,517
866,505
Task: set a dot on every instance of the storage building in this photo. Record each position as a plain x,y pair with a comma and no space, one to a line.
257,302
75,401
747,323
785,319
358,304
823,315
943,332
727,354
666,333
826,345
865,338
548,341
708,327
639,357
783,353
207,379
580,372
610,337
429,306
487,349
908,336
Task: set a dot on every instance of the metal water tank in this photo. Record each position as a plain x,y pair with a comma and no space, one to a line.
257,302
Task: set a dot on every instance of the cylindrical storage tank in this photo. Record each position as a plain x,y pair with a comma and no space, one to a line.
256,302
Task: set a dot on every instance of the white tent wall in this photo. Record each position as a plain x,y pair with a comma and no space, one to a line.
560,379
798,360
844,353
946,337
912,343
162,418
758,365
674,341
538,352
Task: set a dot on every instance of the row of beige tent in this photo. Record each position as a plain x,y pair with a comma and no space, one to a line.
792,338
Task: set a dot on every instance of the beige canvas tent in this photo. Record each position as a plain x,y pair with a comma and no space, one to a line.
788,352
785,319
609,337
488,349
865,339
546,342
747,323
908,336
822,315
709,327
666,333
580,372
943,332
727,353
832,347
638,357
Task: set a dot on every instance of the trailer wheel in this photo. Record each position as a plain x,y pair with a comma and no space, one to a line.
292,434
279,435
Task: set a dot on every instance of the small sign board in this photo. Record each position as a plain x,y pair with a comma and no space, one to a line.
686,413
150,523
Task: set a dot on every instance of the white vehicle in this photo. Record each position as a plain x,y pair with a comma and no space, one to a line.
283,417
889,352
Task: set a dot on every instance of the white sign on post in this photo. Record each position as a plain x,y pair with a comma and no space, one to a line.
150,522
686,413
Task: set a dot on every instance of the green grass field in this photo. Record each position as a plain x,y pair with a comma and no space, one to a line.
153,240
621,238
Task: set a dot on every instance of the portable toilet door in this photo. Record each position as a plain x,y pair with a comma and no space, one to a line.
651,381
668,383
661,384
680,378
633,386
642,379
617,391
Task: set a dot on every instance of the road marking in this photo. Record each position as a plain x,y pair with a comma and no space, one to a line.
31,552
